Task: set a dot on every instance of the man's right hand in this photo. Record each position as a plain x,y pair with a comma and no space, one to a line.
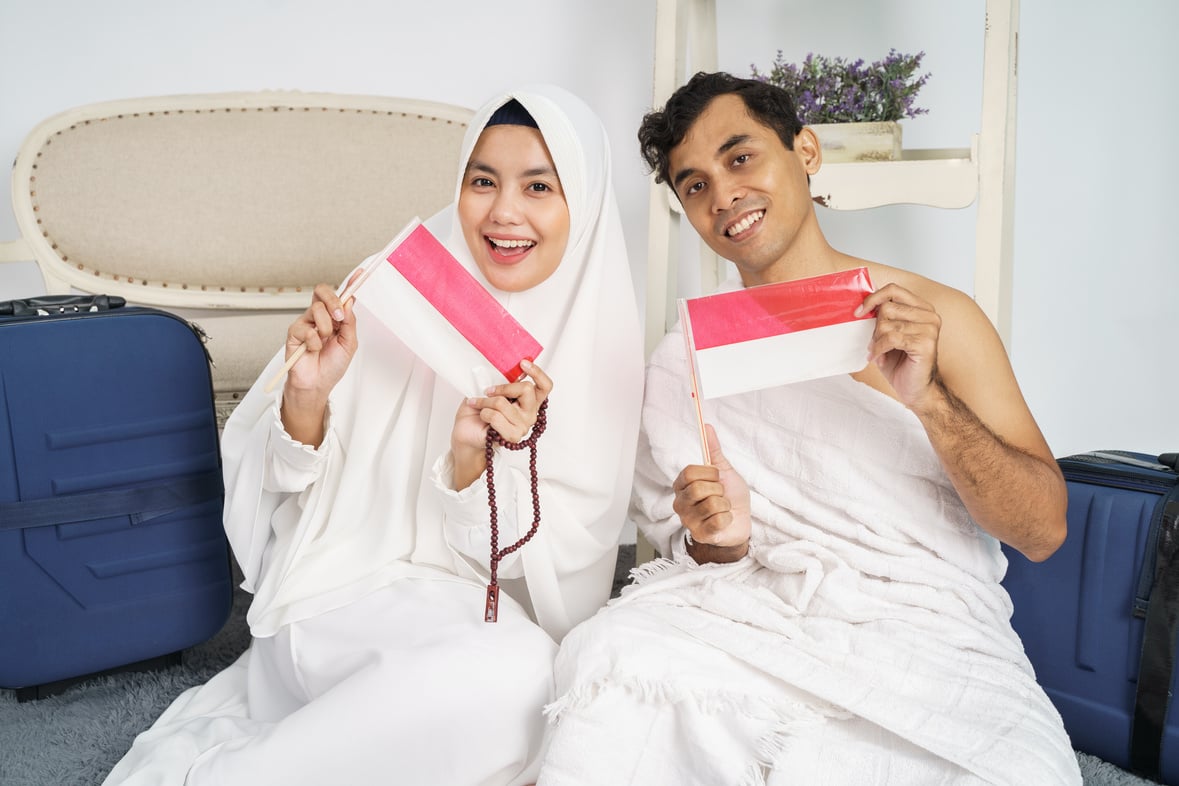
712,502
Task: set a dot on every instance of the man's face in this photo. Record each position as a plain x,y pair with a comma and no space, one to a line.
743,191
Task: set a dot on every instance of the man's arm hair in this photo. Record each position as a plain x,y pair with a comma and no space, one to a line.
987,440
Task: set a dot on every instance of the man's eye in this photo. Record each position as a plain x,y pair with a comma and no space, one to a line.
741,159
694,188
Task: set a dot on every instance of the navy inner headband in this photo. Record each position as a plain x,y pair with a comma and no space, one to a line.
512,113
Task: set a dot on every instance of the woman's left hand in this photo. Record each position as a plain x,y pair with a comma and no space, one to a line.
511,409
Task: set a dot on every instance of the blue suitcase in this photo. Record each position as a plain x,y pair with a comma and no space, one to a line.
1098,618
112,550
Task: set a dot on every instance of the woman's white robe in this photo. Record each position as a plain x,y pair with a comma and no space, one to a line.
371,662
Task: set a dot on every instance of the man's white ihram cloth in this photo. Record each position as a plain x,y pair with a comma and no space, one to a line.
866,639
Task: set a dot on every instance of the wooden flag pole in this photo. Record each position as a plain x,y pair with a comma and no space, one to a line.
345,293
690,346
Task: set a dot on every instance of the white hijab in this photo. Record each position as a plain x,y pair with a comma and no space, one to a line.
373,514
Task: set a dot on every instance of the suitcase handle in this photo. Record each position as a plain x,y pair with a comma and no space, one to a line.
46,305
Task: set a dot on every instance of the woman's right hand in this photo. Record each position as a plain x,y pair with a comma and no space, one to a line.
327,331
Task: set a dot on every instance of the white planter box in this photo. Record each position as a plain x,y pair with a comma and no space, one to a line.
844,142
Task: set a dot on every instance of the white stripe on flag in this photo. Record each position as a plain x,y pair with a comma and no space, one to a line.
780,360
776,334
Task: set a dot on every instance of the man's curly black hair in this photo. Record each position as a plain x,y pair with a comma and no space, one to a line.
662,130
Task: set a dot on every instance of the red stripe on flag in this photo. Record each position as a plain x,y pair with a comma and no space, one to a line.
776,309
464,303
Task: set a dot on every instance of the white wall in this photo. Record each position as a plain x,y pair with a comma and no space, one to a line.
1097,265
1096,273
59,54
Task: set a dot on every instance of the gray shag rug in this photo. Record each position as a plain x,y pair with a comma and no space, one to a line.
76,737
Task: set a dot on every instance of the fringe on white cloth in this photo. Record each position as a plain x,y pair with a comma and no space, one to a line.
870,600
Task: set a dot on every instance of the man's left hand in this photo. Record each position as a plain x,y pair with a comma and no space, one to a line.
905,343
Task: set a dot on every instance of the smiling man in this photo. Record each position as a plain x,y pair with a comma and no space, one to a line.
828,606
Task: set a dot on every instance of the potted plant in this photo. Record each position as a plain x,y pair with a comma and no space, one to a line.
853,107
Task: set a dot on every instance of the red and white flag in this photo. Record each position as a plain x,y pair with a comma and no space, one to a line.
441,312
775,334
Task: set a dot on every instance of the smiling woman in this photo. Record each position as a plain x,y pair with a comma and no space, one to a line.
360,505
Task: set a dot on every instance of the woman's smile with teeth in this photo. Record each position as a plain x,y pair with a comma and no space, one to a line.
495,241
505,248
745,223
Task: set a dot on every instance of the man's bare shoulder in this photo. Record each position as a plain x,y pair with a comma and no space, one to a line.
960,314
926,288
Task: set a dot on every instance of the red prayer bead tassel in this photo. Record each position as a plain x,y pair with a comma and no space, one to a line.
491,608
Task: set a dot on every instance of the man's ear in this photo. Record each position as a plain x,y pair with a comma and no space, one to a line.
807,146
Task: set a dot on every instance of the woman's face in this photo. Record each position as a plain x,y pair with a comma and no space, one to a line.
512,208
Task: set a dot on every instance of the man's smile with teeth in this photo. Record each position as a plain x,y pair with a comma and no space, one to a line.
745,223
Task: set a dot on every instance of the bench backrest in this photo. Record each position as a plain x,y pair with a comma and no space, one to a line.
237,203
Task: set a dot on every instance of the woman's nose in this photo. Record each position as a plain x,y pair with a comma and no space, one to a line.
505,209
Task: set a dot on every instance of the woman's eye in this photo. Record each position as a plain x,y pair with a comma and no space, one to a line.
482,182
539,187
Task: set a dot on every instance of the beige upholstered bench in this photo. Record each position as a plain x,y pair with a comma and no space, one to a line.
227,208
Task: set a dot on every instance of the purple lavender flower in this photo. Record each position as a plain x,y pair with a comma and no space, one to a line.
835,90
